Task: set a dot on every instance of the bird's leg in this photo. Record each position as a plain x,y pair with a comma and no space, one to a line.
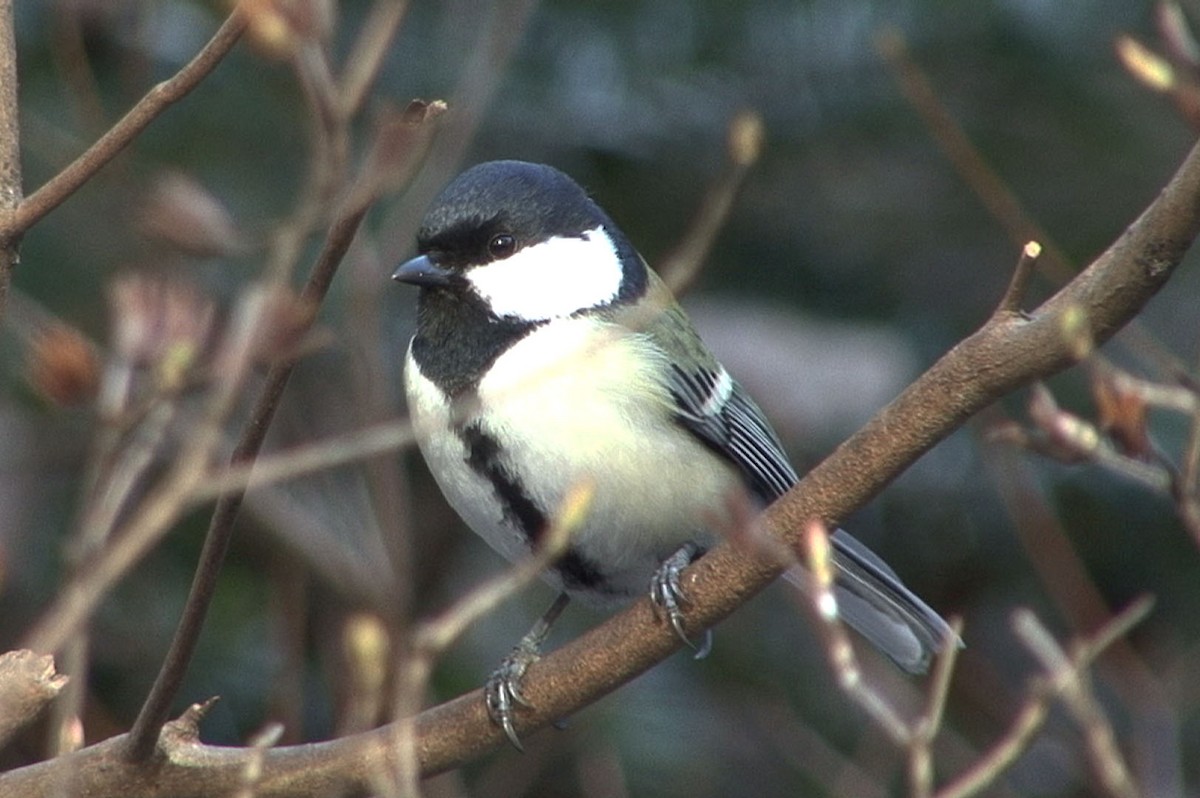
502,691
667,595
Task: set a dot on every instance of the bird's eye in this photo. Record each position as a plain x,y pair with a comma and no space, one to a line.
501,245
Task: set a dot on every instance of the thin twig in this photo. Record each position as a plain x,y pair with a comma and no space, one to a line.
328,156
341,233
105,502
360,444
1065,436
156,708
1067,677
366,649
434,636
387,475
1025,724
289,614
157,100
818,557
743,147
483,68
71,61
1017,286
79,597
920,750
999,200
64,729
1188,490
126,471
366,58
1041,692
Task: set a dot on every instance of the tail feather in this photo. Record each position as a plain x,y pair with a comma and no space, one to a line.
874,602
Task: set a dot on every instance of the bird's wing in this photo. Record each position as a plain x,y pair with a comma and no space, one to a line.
871,597
712,405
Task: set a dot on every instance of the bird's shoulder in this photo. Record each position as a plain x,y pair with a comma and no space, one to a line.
706,399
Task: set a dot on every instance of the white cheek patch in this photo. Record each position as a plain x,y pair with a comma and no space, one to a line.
552,279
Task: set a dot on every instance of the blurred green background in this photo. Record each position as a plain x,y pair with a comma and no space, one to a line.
854,257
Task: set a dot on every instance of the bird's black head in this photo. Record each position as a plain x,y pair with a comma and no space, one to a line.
526,242
494,209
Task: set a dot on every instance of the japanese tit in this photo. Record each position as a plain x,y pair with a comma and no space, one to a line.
548,353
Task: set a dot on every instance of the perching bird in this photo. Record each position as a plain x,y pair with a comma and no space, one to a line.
547,353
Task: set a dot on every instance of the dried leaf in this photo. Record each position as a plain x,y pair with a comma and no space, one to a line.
63,366
398,141
1121,413
180,212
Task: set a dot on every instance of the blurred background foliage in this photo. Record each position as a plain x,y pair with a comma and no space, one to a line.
854,256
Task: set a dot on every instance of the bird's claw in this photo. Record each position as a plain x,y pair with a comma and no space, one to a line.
666,593
502,691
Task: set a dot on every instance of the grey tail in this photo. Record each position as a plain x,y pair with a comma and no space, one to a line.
874,602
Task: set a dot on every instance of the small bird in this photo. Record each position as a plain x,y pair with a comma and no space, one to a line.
546,354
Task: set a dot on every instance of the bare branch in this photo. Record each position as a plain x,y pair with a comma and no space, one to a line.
154,516
349,447
1011,301
498,32
743,146
10,152
1068,678
365,60
434,636
28,683
1033,711
920,753
998,199
220,532
157,100
1188,488
838,647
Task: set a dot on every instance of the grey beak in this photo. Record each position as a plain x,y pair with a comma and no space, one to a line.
422,272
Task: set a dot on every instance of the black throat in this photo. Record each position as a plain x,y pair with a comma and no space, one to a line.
458,340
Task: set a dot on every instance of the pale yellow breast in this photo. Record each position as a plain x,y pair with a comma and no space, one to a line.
585,399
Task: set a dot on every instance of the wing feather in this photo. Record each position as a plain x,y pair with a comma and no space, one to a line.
872,598
716,409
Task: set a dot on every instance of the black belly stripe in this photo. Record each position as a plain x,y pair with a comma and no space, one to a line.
483,456
578,572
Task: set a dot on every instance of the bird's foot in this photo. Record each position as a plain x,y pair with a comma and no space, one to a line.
668,597
502,691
